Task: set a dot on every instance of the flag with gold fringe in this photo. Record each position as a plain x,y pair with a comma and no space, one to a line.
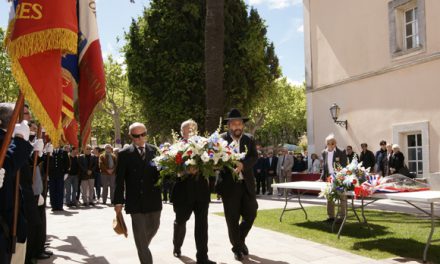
39,33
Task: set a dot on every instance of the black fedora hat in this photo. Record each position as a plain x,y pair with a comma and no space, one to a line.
234,114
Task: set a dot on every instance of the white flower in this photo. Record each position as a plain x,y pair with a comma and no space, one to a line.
190,162
225,157
205,157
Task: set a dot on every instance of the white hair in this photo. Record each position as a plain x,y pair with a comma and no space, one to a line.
395,146
330,137
136,125
189,122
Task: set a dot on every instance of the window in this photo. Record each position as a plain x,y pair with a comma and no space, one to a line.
407,26
415,153
411,37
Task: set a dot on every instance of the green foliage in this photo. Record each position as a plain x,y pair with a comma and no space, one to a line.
165,56
280,114
119,109
8,86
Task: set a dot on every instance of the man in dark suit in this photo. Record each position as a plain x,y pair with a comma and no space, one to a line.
260,174
87,167
17,156
271,170
191,194
138,173
239,199
331,157
367,157
58,168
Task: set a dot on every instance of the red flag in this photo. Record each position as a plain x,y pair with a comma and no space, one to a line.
38,35
71,133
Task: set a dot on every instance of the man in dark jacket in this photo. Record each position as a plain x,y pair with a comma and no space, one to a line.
238,193
191,194
271,170
381,156
17,156
367,157
87,167
142,200
58,168
260,174
332,157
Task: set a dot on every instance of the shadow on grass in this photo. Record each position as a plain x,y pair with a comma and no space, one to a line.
406,248
351,229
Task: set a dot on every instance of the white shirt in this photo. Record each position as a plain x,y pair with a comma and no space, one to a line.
330,155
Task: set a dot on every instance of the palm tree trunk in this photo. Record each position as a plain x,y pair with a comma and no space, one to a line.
214,46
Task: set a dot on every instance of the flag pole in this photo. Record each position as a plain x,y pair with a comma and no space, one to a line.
11,126
17,114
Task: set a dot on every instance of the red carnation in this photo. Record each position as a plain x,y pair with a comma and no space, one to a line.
189,152
355,181
179,159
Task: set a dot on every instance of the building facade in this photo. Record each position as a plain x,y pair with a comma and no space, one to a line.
379,61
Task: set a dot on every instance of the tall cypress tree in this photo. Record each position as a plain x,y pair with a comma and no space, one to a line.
165,61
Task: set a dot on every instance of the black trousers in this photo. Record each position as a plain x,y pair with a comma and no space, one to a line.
35,247
239,203
56,189
261,182
195,199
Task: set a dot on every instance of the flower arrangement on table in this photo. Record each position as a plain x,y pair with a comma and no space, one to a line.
197,154
389,184
345,180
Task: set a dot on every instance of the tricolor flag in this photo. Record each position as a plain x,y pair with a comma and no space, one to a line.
39,33
84,73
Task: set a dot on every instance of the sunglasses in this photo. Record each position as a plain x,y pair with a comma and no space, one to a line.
139,135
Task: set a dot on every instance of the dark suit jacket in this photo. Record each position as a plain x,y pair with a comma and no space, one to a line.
339,157
226,180
85,165
271,167
368,160
58,164
142,195
17,157
397,161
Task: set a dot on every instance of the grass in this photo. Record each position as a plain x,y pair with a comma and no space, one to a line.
393,234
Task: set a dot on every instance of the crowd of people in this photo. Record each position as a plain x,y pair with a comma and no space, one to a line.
272,168
128,178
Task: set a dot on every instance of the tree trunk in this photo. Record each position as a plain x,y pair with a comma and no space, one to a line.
117,123
214,46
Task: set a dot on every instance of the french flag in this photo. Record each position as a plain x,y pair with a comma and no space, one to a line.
87,68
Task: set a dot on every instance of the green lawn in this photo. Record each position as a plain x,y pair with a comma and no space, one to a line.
394,234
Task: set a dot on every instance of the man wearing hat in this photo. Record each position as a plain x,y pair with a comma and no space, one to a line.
238,193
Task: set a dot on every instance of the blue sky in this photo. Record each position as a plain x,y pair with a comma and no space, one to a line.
284,19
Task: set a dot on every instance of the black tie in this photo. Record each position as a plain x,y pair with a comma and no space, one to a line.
142,152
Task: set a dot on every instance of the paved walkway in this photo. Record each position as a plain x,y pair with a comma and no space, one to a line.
86,236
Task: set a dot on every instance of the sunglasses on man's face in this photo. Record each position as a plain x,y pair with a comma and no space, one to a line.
139,135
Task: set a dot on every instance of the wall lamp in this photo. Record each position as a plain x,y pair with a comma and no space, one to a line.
334,111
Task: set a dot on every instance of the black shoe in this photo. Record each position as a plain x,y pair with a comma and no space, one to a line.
177,253
48,252
245,250
238,255
43,256
207,261
329,220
